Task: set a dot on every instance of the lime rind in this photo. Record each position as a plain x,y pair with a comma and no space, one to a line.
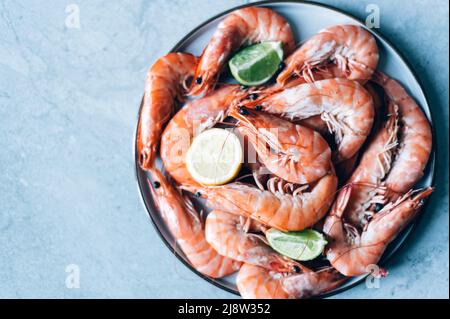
303,245
257,63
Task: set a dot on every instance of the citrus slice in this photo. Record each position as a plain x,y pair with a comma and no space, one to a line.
301,245
214,157
257,63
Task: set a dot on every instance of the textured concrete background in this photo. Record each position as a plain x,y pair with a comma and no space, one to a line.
68,104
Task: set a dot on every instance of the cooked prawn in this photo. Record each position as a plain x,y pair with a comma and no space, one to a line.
351,251
186,227
285,211
230,236
255,282
166,81
345,168
346,51
367,181
312,283
344,105
384,172
195,117
295,153
415,137
259,283
241,27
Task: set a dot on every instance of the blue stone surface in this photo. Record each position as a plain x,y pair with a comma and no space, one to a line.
69,99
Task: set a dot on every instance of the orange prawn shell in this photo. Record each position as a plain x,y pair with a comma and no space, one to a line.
241,27
186,227
415,137
344,104
284,212
192,119
255,282
165,83
352,259
293,152
352,48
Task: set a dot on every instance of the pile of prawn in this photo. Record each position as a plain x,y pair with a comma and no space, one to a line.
338,145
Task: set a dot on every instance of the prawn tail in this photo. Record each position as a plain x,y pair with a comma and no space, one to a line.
423,193
284,76
342,201
146,158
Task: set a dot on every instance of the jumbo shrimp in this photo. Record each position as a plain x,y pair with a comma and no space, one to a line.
166,82
344,51
241,27
186,227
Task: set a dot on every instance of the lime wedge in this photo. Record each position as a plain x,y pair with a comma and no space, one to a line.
214,157
257,63
301,245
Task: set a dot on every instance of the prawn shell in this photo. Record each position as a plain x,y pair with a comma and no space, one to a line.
165,83
241,27
255,282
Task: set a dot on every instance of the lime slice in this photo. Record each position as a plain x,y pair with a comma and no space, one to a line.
214,157
301,245
257,63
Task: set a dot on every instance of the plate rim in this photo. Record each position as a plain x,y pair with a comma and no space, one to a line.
431,160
